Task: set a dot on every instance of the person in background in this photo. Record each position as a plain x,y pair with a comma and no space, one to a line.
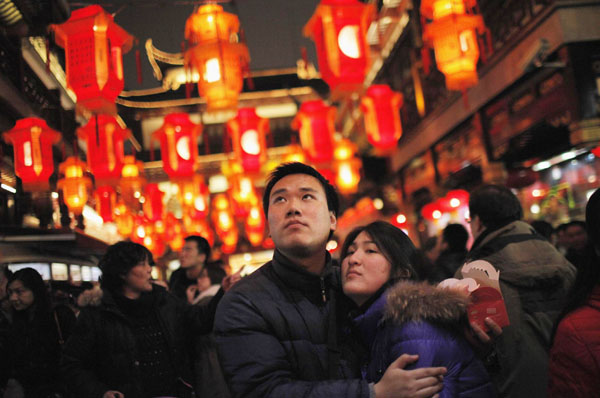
134,339
207,284
5,320
561,239
279,330
396,315
534,280
543,228
34,339
453,250
193,257
577,243
574,369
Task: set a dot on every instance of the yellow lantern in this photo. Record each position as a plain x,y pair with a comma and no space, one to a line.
74,184
347,167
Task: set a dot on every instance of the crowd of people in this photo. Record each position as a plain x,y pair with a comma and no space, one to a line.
373,323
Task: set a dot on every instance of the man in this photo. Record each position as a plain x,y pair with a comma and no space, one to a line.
577,243
534,279
278,331
194,254
453,250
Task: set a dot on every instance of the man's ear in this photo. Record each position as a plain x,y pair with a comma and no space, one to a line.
333,221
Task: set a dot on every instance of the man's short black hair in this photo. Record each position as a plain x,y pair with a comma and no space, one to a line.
495,206
215,273
543,228
201,243
456,236
287,169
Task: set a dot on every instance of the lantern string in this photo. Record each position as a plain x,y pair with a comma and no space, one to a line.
138,63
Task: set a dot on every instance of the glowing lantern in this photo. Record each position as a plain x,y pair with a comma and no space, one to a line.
178,138
453,36
153,202
247,131
216,55
229,240
294,153
431,211
74,184
106,198
243,195
32,140
132,181
381,108
124,220
339,30
194,197
347,167
315,121
222,216
199,227
140,229
255,225
173,233
105,151
94,47
399,220
457,198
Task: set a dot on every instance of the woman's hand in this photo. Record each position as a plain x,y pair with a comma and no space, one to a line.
113,394
482,342
418,383
231,280
190,293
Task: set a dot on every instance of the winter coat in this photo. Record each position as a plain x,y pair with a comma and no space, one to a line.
100,355
418,318
272,335
534,279
575,354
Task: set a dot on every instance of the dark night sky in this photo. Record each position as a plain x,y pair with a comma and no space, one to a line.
273,30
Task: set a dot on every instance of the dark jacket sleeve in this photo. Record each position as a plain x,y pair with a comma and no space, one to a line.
255,362
201,318
78,358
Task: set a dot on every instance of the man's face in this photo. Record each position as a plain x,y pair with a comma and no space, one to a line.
190,256
576,237
298,216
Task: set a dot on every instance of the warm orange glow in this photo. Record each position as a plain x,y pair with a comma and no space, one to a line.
294,154
344,149
132,181
178,137
74,185
316,123
124,220
347,175
243,194
194,197
381,109
247,132
106,198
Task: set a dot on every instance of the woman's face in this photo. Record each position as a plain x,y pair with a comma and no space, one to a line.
138,280
203,281
20,297
364,269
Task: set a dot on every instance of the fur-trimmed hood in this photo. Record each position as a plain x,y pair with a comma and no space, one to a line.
90,297
420,301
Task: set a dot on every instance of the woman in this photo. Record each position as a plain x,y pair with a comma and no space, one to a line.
575,354
133,340
34,339
397,315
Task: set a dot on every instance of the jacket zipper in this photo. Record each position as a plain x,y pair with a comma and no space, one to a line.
323,293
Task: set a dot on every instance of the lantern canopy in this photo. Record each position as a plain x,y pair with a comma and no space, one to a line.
453,34
32,140
339,30
247,132
315,121
104,137
178,138
74,184
381,109
94,46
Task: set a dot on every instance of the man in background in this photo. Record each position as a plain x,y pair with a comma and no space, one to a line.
192,258
453,250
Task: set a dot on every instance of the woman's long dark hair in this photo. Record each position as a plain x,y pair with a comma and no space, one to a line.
394,244
33,281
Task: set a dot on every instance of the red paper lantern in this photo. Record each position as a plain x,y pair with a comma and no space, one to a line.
381,109
243,195
315,121
178,138
106,197
431,211
94,47
399,220
457,198
347,167
339,30
452,33
132,181
255,225
194,197
104,137
124,220
153,202
74,184
32,140
247,132
222,216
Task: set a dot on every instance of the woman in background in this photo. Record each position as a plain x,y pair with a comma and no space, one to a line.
397,315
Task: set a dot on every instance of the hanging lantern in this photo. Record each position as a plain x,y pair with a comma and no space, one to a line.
431,211
453,34
315,121
173,233
229,240
124,220
94,47
153,202
178,138
339,30
216,55
247,132
132,181
347,167
74,184
140,229
222,216
381,109
106,198
255,225
243,195
457,198
32,140
294,153
194,197
399,220
105,153
199,227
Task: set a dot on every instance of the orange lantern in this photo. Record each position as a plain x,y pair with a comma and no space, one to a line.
199,227
94,47
222,216
381,109
216,55
32,140
315,121
74,184
347,167
194,197
132,181
124,220
453,35
294,153
339,30
229,240
106,198
247,132
178,138
105,153
140,229
153,202
255,226
173,232
243,195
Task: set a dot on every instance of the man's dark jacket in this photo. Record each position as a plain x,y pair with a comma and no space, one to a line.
100,354
273,332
